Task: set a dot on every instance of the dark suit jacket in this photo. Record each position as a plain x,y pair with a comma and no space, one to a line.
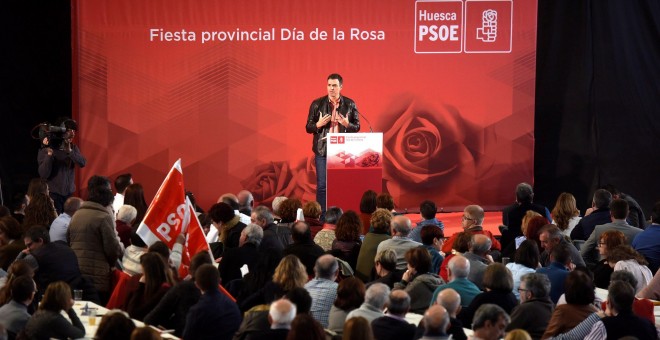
215,317
587,224
388,328
271,334
308,252
235,258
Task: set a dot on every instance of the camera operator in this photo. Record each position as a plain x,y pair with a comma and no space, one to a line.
57,159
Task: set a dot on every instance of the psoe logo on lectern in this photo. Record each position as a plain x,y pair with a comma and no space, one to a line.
337,139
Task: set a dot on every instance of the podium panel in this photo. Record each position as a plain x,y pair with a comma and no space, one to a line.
354,165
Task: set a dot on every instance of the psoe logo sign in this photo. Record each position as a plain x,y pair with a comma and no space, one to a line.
438,26
337,139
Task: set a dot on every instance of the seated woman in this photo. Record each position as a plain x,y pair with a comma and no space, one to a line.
525,261
498,283
565,214
347,243
18,268
380,225
350,295
289,274
48,322
153,285
11,240
418,281
602,270
385,267
579,295
114,325
624,257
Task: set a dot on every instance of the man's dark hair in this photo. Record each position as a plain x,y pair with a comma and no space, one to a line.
207,277
199,259
655,213
524,193
160,248
22,288
300,297
122,182
338,77
300,232
38,232
602,198
429,233
332,215
99,190
579,288
488,312
428,209
221,212
326,268
619,209
611,188
621,295
561,253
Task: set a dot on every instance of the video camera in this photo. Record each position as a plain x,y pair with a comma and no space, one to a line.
56,134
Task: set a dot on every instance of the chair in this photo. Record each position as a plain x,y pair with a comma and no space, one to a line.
578,243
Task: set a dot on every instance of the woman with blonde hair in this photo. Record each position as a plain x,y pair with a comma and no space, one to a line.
565,214
289,274
48,322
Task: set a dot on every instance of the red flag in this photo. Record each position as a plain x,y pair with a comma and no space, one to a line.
195,240
164,218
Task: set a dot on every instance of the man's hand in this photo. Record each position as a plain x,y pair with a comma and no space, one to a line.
323,120
343,120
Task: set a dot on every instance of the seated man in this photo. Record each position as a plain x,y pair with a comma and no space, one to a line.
303,246
599,214
436,323
647,242
54,261
473,219
14,315
323,288
535,309
557,271
215,316
233,259
280,315
394,325
620,321
512,215
400,241
61,223
375,299
479,258
489,322
459,270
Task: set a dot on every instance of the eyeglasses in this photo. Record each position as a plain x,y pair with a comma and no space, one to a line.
522,290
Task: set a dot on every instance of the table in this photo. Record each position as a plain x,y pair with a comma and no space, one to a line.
100,311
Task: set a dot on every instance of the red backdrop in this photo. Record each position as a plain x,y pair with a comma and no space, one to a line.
458,127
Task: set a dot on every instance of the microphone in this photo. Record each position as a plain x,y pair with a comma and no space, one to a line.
367,120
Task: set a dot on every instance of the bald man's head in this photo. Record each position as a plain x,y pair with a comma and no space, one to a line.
282,312
480,244
450,299
401,225
436,321
459,267
399,303
326,267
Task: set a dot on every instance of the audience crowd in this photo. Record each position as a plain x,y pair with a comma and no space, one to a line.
292,271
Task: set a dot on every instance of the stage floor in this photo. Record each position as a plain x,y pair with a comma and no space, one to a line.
452,221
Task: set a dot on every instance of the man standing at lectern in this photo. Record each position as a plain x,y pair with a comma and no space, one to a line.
332,113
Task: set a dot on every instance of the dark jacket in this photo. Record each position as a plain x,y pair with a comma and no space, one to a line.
628,324
389,328
215,317
586,226
533,316
506,300
275,237
307,252
57,262
322,106
138,305
235,258
172,309
58,169
512,218
46,324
